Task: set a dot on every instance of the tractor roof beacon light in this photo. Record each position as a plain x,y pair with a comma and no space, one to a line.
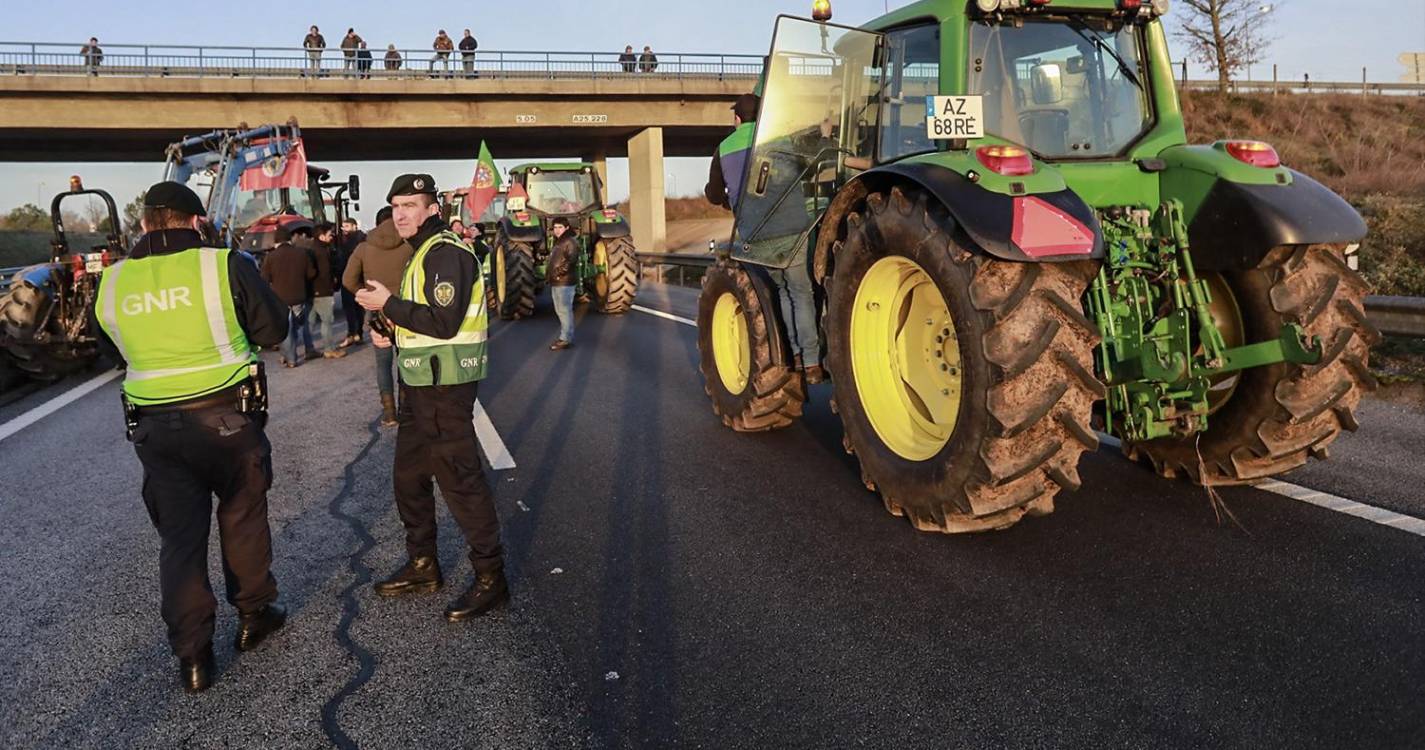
1256,153
1161,7
1010,161
1130,5
75,184
821,10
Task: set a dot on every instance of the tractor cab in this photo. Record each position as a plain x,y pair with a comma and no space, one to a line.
260,213
547,191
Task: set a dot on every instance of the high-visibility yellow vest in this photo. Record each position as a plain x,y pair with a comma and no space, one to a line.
173,319
426,360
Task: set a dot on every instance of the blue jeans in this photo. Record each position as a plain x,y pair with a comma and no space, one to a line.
385,358
322,308
563,297
798,298
297,332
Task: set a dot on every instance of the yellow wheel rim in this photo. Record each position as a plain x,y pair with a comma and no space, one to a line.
500,274
732,347
905,358
1227,316
601,261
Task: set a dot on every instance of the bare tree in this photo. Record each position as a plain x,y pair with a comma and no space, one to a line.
1225,35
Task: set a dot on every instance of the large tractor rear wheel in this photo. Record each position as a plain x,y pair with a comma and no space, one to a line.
1274,417
965,383
615,288
514,280
735,341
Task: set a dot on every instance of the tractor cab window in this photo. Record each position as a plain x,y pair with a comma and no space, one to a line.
255,204
817,125
912,76
1065,89
561,192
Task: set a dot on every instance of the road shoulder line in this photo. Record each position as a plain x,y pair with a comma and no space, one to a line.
666,316
495,450
55,404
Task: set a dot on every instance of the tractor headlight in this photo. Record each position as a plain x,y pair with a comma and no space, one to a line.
987,6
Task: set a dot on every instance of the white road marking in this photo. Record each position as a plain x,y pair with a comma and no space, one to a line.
495,450
667,316
1325,500
55,404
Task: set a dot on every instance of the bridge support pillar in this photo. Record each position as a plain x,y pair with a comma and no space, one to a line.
600,159
645,191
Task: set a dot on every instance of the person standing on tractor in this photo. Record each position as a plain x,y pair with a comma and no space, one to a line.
440,336
730,159
187,320
468,45
382,256
290,270
314,43
562,258
323,286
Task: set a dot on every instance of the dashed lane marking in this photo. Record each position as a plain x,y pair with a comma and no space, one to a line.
666,316
55,404
495,450
1380,516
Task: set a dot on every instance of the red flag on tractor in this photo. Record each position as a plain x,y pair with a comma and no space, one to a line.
484,186
286,171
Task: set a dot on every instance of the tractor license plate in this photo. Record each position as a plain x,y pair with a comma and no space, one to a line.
955,117
94,266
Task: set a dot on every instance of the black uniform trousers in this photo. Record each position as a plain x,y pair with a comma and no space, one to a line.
188,457
435,440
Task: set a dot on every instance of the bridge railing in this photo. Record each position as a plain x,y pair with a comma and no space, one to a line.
154,60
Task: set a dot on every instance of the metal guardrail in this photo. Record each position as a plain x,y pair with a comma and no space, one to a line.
678,259
167,60
1307,87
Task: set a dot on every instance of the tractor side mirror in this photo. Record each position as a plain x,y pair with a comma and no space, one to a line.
1046,81
353,187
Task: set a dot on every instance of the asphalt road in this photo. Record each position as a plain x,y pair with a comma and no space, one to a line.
677,584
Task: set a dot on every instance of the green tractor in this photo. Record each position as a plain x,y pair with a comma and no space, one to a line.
1014,248
538,194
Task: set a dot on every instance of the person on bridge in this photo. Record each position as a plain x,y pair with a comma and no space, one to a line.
628,60
382,256
561,281
349,44
93,56
443,45
393,58
647,62
468,45
440,336
314,43
363,60
188,320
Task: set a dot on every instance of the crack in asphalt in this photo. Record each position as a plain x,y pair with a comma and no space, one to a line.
351,608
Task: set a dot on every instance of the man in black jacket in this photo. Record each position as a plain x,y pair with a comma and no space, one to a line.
290,270
195,407
563,261
468,46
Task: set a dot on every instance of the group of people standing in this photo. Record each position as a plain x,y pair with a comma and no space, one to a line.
644,63
303,269
187,321
357,60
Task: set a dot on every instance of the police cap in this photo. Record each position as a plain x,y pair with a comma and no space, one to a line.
175,196
412,184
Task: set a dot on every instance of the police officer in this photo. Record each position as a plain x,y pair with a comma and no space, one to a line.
440,329
187,319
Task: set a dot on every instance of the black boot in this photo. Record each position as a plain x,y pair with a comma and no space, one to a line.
253,628
487,592
421,575
196,675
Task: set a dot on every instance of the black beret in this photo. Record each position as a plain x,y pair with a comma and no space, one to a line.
412,184
176,196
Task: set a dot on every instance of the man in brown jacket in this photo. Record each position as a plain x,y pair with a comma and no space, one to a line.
290,269
382,257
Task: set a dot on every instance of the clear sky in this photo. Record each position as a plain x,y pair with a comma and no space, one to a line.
1330,39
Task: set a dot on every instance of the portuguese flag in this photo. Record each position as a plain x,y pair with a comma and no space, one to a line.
484,186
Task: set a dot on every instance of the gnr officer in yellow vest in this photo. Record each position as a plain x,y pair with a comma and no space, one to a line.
188,320
440,328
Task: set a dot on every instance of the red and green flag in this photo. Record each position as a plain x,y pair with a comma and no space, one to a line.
484,186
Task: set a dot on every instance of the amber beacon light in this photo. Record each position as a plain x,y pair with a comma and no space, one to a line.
821,10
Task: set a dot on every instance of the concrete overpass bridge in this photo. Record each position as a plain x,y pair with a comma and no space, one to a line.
56,106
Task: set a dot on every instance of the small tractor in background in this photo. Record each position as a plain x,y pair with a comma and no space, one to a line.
1014,247
213,165
44,313
607,268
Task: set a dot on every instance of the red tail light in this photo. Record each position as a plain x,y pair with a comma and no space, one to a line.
1256,153
1040,2
1130,5
1010,161
610,214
